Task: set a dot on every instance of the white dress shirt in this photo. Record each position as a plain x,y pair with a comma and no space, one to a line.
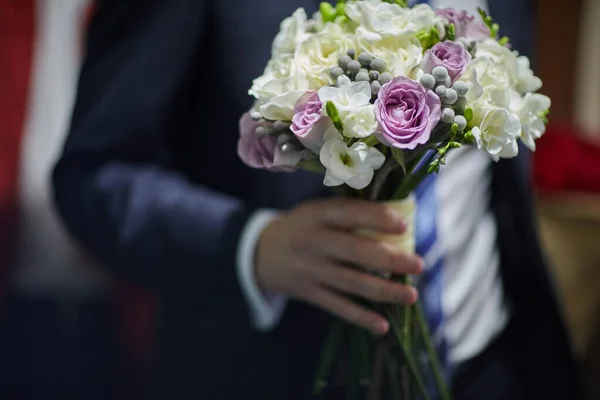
472,298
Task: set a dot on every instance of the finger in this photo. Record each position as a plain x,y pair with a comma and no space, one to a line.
375,255
349,311
364,285
352,214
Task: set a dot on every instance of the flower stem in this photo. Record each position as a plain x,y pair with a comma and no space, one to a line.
410,361
328,355
432,355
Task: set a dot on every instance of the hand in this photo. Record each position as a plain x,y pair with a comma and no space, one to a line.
305,254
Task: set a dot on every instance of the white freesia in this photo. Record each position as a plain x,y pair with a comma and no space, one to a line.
353,165
281,108
320,52
534,106
347,97
501,67
360,122
292,32
527,81
497,133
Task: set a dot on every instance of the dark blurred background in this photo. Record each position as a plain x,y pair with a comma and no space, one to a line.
67,331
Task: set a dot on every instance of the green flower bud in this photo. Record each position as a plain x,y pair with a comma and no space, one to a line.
447,115
343,62
468,114
365,59
340,9
353,67
378,65
327,12
428,81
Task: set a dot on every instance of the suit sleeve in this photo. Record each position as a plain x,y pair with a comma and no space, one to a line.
115,186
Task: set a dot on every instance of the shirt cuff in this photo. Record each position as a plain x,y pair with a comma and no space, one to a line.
266,309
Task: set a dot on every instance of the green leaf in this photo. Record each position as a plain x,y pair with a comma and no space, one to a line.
333,113
311,166
399,156
450,32
370,141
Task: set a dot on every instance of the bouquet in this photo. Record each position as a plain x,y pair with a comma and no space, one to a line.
374,95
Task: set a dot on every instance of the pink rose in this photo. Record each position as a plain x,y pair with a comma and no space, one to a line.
407,113
465,24
448,54
309,124
263,151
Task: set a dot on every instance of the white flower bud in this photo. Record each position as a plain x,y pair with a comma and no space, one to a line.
461,122
447,115
440,74
428,81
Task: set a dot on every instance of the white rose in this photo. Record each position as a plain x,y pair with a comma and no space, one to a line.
278,78
353,165
347,97
292,32
533,109
497,133
360,122
501,67
527,81
320,52
402,54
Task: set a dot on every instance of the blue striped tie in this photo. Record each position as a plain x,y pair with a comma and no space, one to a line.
430,283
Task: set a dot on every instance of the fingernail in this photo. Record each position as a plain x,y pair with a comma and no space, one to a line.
382,327
415,295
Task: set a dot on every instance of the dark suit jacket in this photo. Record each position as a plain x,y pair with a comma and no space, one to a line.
151,184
